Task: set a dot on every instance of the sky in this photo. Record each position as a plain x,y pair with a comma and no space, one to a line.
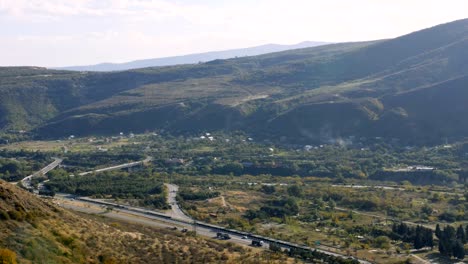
54,33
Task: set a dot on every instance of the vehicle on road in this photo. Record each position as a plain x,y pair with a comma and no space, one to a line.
257,243
223,235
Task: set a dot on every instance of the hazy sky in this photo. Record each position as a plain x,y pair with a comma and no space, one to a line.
76,32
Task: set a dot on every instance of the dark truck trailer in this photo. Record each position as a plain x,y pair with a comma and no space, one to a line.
223,235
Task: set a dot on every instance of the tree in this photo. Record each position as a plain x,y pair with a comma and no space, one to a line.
459,250
428,238
331,204
275,247
382,242
461,234
11,167
447,241
268,189
438,232
426,209
295,190
466,233
234,167
418,238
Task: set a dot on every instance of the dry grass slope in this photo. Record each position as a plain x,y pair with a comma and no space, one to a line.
38,231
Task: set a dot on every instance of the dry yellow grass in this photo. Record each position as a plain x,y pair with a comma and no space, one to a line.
40,232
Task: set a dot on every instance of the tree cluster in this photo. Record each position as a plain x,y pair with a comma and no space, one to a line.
451,241
92,160
276,208
316,257
115,184
190,195
419,236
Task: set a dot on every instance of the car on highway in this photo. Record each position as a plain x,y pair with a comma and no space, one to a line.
223,235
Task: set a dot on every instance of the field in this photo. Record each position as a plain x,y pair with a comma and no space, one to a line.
70,145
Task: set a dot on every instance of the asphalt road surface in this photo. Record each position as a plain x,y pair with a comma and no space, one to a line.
117,167
26,181
175,212
66,201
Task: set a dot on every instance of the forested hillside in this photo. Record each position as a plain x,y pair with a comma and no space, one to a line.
411,88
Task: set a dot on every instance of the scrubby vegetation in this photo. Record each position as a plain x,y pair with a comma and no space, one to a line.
15,165
53,235
190,195
113,184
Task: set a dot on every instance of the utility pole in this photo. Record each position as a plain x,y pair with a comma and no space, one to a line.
195,227
386,217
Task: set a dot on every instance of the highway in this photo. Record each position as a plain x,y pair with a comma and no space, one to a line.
117,167
145,216
67,201
26,181
175,212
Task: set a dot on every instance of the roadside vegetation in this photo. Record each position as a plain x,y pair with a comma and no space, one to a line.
15,165
37,231
365,198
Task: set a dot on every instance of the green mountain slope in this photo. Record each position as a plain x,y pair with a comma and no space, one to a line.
386,88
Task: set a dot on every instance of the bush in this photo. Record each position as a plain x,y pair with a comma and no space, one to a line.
7,256
382,242
448,216
192,196
275,247
16,215
4,215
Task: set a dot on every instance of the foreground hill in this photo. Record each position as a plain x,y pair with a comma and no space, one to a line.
411,88
193,58
37,231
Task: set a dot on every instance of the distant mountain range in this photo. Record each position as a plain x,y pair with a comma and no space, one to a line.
193,58
411,89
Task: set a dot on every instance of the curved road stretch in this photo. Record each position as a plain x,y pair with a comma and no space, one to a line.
26,181
175,212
